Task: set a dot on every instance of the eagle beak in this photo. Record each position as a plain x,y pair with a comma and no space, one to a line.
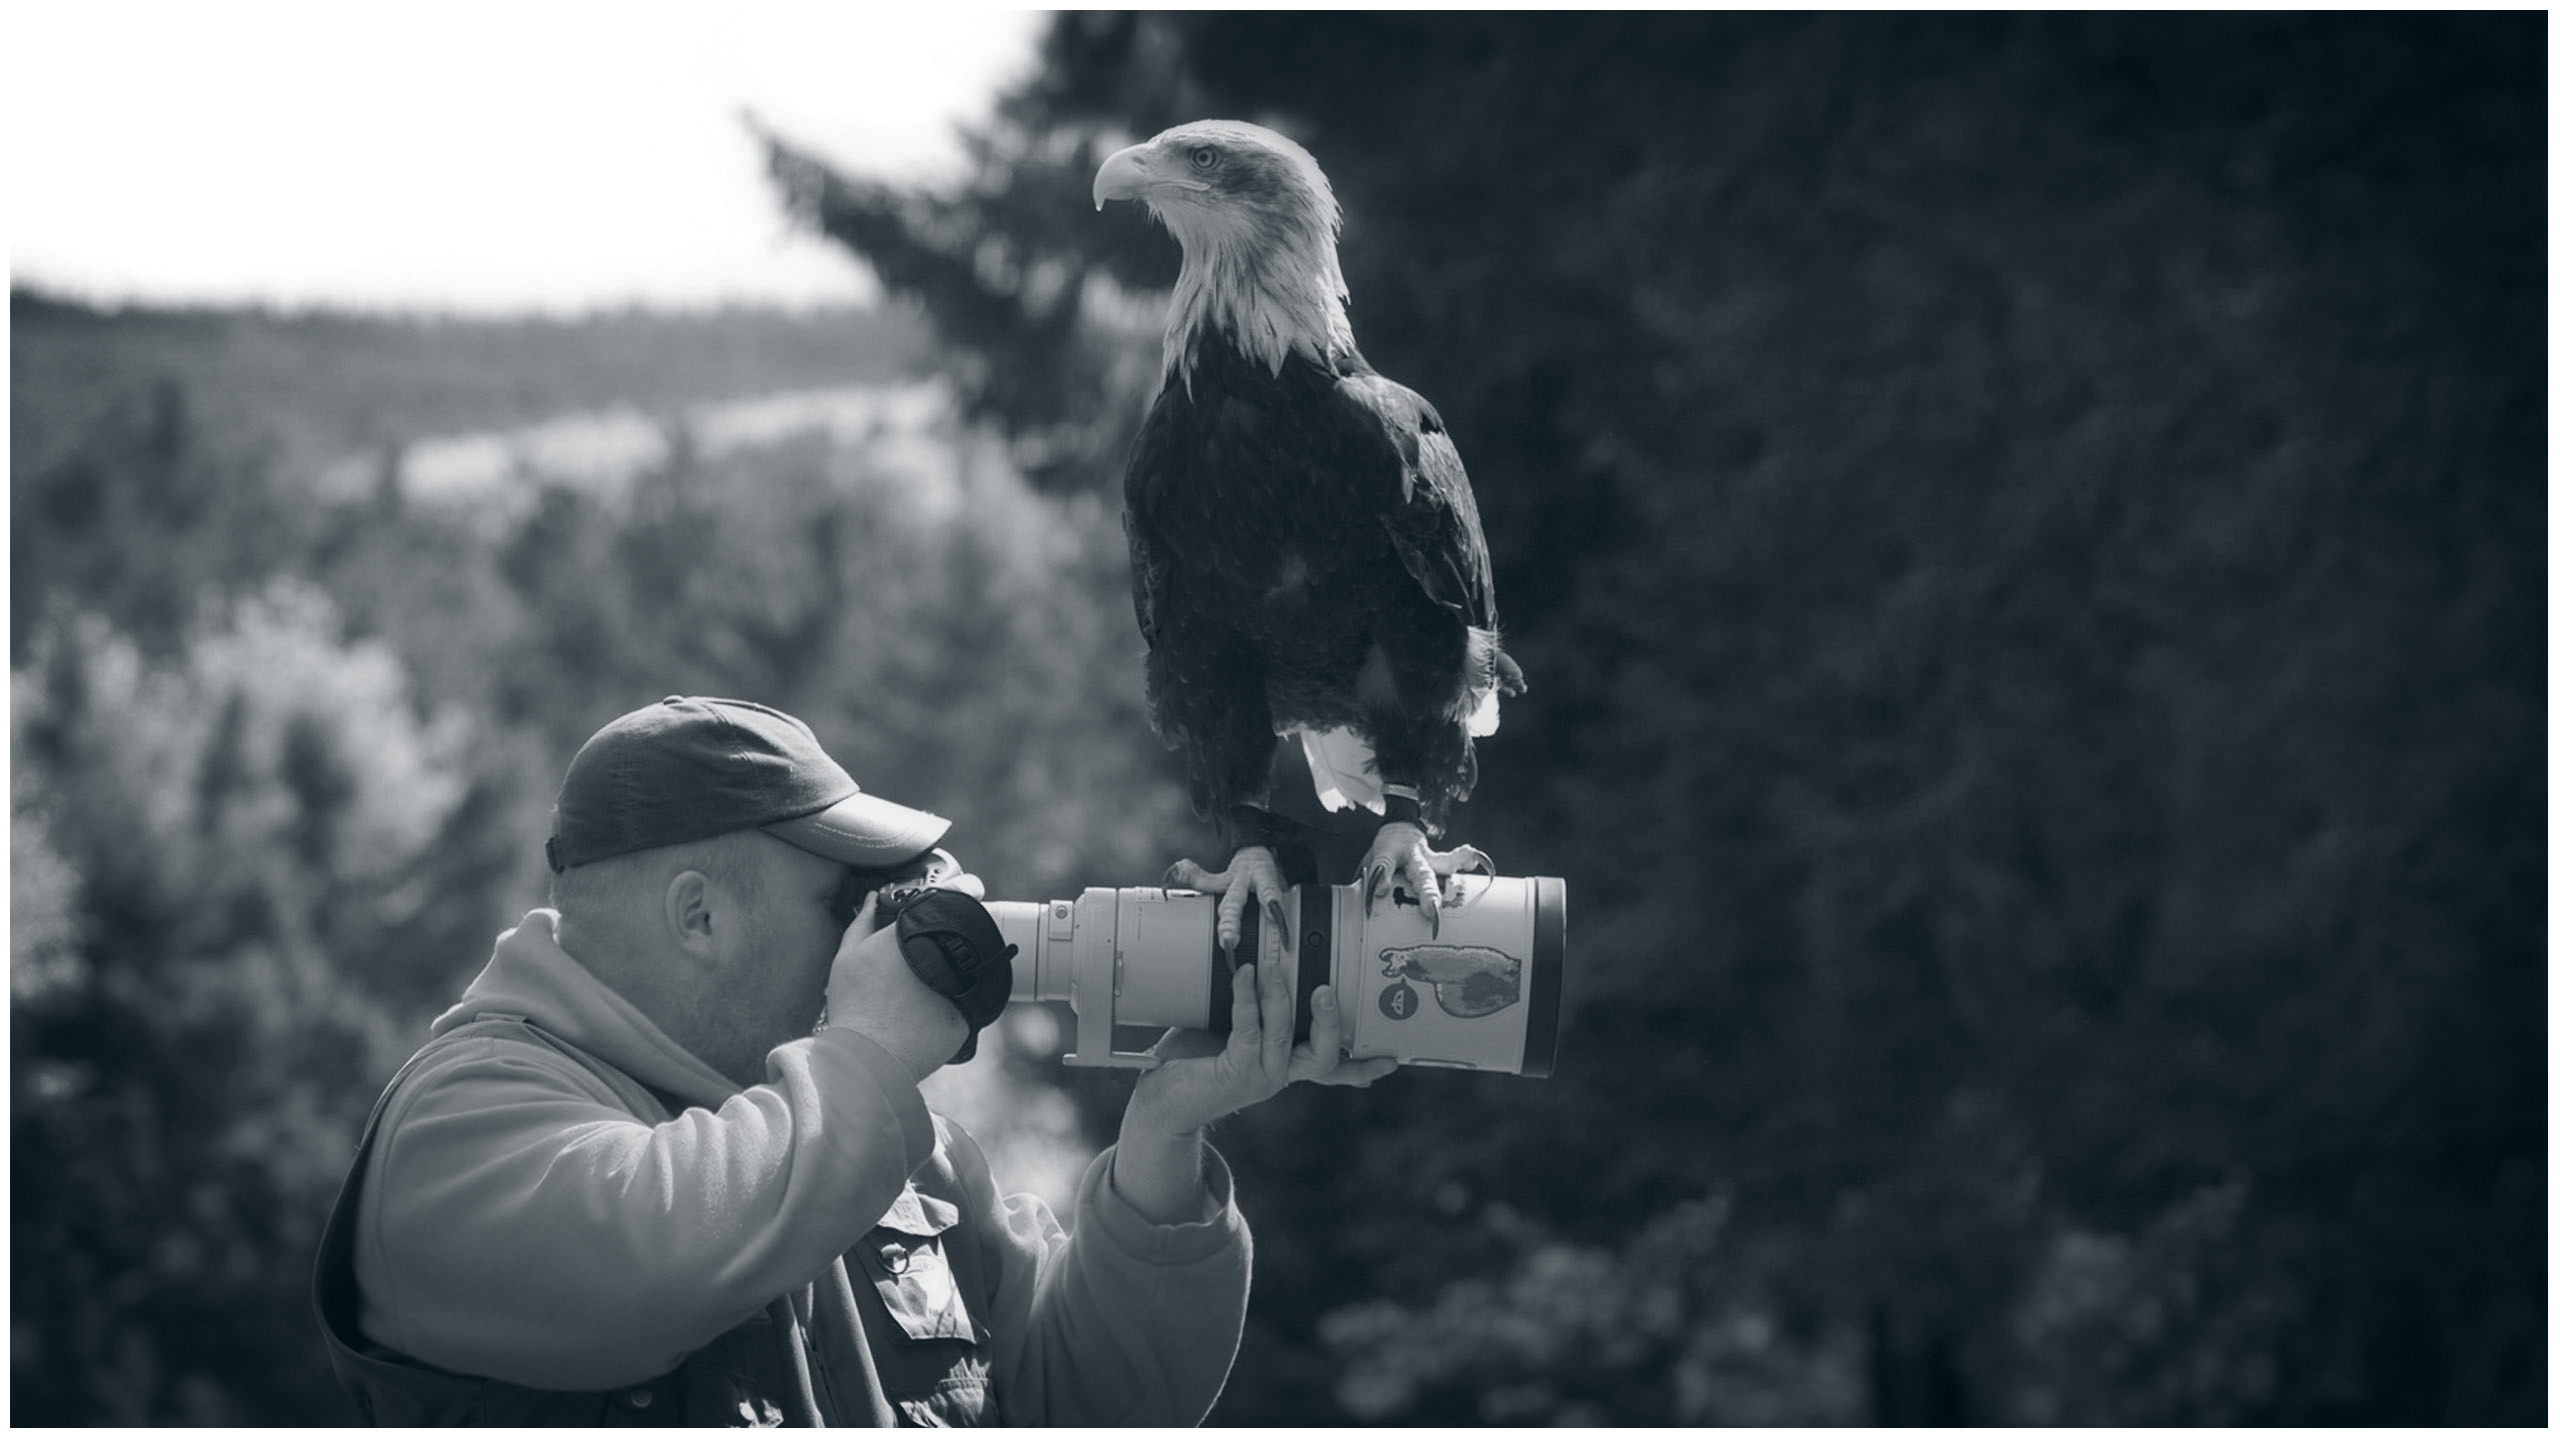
1122,177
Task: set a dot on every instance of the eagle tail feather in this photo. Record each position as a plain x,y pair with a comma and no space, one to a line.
1491,675
1345,770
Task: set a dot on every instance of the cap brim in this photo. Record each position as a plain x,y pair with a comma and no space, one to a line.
863,831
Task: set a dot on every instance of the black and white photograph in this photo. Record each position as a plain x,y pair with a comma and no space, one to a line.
804,714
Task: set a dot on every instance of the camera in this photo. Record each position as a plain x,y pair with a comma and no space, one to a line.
1482,993
898,886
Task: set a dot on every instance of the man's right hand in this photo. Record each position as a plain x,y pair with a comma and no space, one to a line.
872,992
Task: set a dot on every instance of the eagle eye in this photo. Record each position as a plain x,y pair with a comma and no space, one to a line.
1204,157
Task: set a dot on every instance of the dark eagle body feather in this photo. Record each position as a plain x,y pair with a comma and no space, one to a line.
1306,553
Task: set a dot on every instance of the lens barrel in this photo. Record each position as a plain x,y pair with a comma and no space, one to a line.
1484,991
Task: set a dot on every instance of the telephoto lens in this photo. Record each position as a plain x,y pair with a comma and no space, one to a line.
1482,993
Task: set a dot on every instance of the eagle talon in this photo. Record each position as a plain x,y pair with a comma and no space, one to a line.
1253,872
1402,852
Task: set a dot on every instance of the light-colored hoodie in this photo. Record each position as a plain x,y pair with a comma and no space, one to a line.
575,1203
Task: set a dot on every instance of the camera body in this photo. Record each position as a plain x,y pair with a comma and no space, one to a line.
1483,993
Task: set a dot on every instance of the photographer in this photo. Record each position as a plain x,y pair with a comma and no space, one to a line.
634,1177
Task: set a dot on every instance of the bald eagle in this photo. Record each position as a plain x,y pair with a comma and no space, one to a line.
1304,548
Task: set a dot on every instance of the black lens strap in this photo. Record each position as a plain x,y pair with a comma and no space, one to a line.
953,946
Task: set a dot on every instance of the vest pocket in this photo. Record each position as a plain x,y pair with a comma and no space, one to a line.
916,1287
928,1347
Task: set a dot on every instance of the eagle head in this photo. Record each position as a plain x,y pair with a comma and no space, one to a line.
1214,178
1257,221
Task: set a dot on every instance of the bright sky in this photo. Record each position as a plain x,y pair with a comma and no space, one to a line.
546,155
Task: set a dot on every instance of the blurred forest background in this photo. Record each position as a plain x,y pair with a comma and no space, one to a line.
2027,536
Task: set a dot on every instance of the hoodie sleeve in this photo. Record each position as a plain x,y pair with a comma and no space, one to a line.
527,1226
1124,1322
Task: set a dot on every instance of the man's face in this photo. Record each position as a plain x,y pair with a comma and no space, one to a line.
793,940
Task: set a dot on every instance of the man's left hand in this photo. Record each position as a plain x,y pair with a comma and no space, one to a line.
1204,1077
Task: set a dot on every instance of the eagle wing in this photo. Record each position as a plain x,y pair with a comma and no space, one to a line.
1146,577
1204,683
1431,517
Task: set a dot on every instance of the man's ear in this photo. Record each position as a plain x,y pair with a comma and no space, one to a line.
690,905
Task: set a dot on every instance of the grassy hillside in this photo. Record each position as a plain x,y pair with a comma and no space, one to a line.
320,383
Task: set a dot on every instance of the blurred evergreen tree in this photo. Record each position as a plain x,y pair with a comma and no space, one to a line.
142,514
214,959
2025,532
1042,332
944,630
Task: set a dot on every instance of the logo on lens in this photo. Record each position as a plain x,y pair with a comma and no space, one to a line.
1397,1001
1469,981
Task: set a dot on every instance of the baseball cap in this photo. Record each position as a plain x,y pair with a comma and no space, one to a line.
691,767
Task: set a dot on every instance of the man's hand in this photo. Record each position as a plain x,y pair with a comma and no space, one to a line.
1157,1165
1203,1078
873,993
